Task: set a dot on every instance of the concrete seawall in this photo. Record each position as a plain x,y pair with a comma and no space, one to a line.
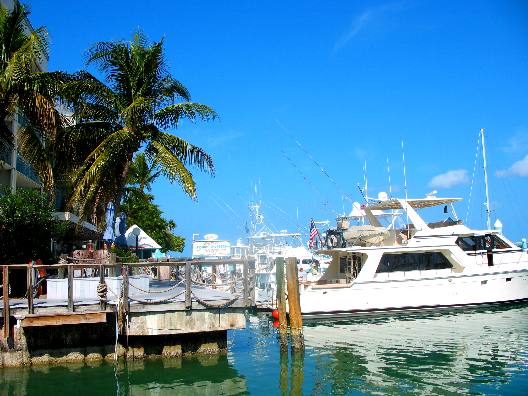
204,332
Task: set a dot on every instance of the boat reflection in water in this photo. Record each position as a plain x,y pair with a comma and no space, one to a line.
476,351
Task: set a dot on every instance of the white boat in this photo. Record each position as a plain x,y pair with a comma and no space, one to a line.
265,246
422,266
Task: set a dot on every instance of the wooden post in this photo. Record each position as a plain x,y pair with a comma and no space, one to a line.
71,306
29,277
102,298
126,303
297,371
281,303
5,294
113,265
213,275
188,299
245,292
252,283
283,379
294,306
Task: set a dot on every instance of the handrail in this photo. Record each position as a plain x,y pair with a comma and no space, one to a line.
248,271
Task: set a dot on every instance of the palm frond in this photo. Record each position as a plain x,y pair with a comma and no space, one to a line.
170,116
186,152
172,168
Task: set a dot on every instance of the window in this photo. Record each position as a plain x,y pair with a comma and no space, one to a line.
350,265
481,242
393,262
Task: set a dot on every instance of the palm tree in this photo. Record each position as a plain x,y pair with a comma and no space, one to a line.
141,175
22,87
132,113
28,92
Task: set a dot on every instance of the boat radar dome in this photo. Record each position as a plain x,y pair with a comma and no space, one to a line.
382,196
498,226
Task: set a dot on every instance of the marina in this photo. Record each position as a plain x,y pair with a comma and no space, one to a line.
311,220
472,351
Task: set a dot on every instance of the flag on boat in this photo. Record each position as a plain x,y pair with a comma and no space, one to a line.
313,234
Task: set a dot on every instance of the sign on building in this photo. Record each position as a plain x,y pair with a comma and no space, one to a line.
211,248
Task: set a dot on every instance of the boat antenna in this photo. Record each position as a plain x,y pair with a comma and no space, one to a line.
488,218
405,189
365,179
388,171
472,178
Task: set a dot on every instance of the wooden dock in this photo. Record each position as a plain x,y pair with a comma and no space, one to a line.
178,312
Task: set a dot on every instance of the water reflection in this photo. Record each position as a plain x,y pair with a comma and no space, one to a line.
437,353
204,375
483,351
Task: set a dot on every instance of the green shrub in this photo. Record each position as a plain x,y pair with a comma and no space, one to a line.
27,226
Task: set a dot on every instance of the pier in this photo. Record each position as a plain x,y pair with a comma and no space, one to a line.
100,309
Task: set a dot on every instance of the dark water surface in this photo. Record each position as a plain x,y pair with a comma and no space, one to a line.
479,351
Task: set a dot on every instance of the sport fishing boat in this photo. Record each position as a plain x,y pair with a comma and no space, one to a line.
266,245
422,266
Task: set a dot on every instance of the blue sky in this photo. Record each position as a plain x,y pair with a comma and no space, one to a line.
301,86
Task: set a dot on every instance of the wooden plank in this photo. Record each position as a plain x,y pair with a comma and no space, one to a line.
64,319
5,292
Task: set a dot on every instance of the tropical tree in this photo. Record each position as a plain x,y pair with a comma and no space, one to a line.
141,175
23,88
132,112
141,210
31,94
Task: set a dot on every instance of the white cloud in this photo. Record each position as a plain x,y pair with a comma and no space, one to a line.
355,27
449,179
519,168
517,143
366,18
222,139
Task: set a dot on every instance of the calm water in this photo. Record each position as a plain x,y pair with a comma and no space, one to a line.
482,351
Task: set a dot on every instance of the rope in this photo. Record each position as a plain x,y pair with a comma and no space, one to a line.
219,306
156,291
159,301
102,290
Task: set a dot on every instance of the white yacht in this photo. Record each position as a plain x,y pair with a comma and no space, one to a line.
421,266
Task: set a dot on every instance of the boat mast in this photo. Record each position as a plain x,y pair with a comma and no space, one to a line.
488,219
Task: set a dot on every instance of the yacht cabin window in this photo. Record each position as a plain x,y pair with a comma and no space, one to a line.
394,262
350,265
481,242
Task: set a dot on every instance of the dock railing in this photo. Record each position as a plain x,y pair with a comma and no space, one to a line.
236,276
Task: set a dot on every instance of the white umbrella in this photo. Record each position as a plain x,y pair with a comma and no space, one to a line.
144,241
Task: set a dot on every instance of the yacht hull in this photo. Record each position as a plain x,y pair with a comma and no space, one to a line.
413,293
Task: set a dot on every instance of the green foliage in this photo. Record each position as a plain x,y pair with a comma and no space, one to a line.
142,211
27,226
124,254
132,111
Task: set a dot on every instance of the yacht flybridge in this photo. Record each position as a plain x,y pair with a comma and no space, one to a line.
420,266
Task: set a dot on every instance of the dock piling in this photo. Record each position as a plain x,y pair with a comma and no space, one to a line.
281,303
294,306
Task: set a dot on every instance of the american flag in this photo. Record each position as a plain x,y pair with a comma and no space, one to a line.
313,234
